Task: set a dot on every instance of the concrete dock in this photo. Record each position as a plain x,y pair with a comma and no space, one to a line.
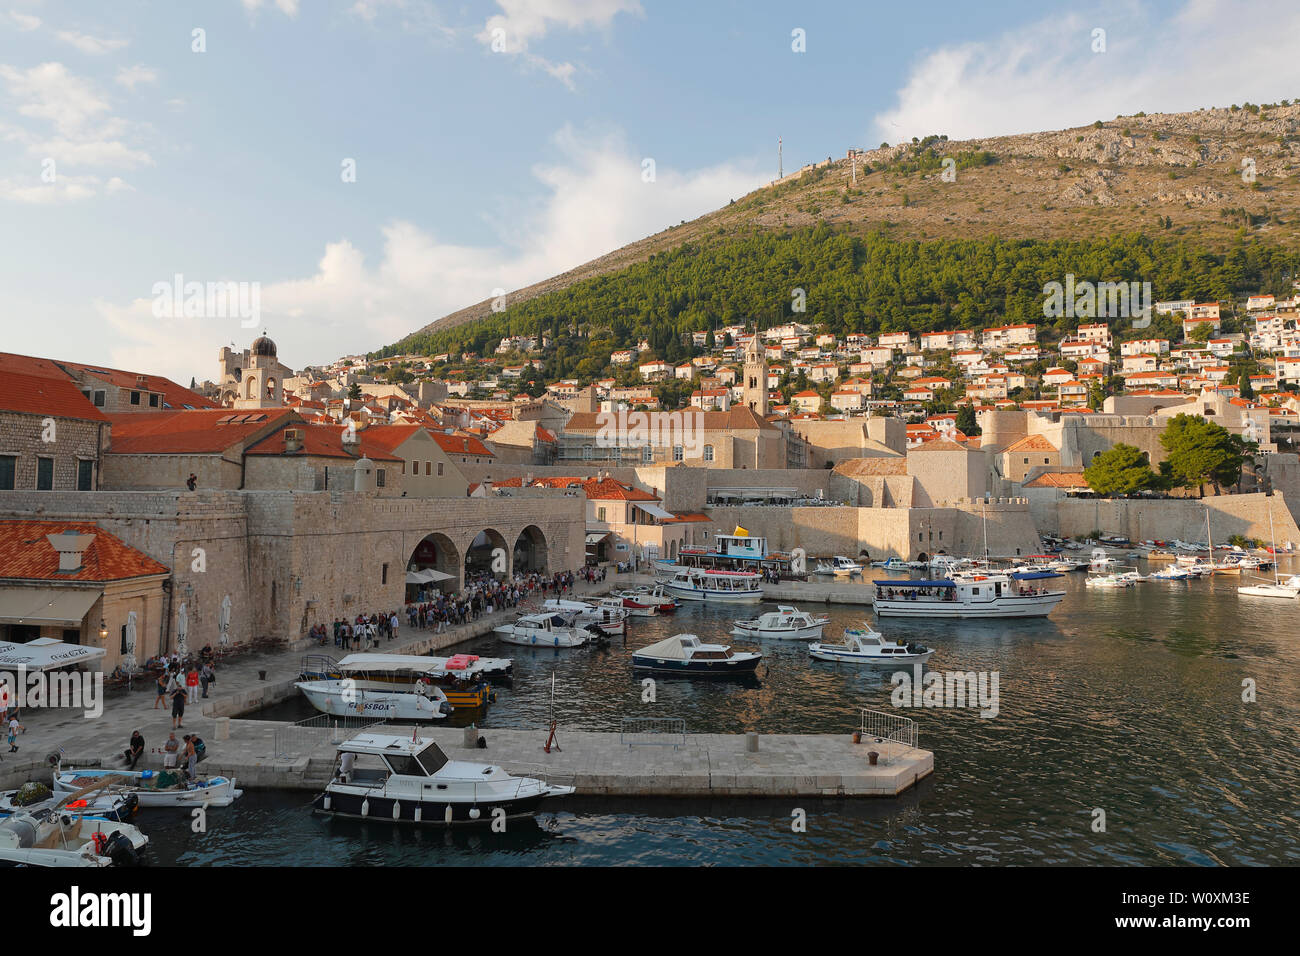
273,754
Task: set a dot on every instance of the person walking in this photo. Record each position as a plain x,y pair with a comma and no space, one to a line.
14,727
207,676
392,627
192,683
162,690
178,707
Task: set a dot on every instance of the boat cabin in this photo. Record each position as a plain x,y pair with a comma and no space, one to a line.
385,755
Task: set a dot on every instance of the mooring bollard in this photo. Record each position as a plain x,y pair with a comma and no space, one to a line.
221,730
751,742
872,757
471,736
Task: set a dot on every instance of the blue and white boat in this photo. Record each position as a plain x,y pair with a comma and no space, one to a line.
686,654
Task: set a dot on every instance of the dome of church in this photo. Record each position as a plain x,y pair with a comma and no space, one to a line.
262,346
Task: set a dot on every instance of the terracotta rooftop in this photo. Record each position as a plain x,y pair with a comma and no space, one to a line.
871,467
205,432
1058,479
25,554
42,395
324,441
939,444
1032,443
461,445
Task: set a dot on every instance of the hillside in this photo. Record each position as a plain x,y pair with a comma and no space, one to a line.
1177,176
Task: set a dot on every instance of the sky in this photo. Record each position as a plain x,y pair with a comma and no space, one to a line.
362,167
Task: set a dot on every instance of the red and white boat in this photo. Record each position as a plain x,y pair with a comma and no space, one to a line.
647,602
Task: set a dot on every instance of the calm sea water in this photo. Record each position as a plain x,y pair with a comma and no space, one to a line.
1124,701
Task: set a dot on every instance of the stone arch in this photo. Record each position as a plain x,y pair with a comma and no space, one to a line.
435,551
250,386
488,552
531,552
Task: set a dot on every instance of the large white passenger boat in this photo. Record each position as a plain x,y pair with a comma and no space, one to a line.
977,595
398,779
718,587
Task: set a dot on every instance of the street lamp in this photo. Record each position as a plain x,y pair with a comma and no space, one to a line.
103,630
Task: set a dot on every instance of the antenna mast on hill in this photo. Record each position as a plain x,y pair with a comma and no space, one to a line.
780,166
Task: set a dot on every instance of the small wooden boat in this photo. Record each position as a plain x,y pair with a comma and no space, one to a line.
155,788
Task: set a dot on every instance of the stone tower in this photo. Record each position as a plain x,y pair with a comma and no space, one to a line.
259,385
755,376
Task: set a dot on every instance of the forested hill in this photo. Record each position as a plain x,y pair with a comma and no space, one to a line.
854,284
1215,192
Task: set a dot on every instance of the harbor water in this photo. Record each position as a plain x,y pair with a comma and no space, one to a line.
1123,709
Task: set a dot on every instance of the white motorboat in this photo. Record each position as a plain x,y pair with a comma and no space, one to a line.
344,698
686,654
892,564
1065,565
154,788
461,677
1108,581
839,565
58,838
543,630
785,623
967,595
716,587
606,614
104,804
865,645
399,779
1172,573
1101,562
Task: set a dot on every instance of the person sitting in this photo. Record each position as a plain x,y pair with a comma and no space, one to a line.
135,751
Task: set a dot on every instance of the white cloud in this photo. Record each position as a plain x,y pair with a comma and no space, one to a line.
288,7
523,22
596,202
82,133
25,22
63,189
93,46
1046,75
133,76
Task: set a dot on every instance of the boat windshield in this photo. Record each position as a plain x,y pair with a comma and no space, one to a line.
432,758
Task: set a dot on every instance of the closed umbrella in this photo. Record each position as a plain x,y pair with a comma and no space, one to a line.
225,621
128,658
182,630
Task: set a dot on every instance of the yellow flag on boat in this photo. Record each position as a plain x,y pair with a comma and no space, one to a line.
740,532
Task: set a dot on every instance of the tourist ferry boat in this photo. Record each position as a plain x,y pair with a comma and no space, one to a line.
606,615
718,587
343,698
785,623
461,678
646,601
153,788
685,654
543,630
399,779
865,645
739,551
975,595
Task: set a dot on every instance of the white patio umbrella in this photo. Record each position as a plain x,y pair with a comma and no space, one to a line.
225,621
182,630
128,658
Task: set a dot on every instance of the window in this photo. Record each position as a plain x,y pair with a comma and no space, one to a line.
99,398
153,401
8,466
85,474
439,468
380,476
677,453
383,574
708,453
135,398
586,452
1026,461
44,474
647,454
428,467
600,514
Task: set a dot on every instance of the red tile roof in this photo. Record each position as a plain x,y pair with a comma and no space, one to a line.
173,395
25,554
41,395
322,441
1032,443
205,432
461,445
1058,479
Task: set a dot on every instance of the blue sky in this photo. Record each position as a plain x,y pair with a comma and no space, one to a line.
126,157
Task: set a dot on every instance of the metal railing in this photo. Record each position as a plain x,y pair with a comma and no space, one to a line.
653,732
880,727
295,740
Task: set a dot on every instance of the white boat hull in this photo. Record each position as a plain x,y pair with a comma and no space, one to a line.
811,632
715,597
841,655
1270,591
213,792
1036,605
330,697
525,639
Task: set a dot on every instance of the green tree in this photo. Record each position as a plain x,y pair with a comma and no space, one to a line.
354,392
1122,470
1200,451
966,422
1202,332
